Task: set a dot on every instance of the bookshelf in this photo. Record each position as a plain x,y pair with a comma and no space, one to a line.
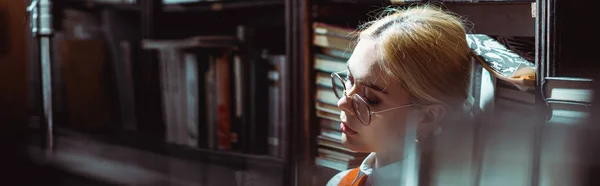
241,45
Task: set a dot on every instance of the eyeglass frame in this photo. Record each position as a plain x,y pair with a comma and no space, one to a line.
359,98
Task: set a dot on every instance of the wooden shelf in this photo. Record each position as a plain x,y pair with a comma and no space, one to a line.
219,5
480,20
91,4
134,140
474,1
228,158
401,2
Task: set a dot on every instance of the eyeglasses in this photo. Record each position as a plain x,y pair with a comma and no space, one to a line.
361,108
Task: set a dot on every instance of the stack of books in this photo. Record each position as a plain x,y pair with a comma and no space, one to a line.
333,47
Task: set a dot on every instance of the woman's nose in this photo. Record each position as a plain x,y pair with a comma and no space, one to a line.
345,104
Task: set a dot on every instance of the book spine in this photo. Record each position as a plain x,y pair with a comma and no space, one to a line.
223,103
191,83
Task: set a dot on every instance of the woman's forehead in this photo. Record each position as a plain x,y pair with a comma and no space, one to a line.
363,67
363,60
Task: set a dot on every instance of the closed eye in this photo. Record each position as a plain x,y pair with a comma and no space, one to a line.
370,98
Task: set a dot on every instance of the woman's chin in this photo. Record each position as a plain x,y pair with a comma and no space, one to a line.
353,144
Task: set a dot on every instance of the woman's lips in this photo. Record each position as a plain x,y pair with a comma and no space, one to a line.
347,130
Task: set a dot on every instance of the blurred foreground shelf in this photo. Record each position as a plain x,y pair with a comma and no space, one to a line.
141,142
132,159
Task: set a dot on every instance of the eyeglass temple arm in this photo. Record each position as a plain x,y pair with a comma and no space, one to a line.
385,110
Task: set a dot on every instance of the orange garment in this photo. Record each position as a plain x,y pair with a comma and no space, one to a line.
352,177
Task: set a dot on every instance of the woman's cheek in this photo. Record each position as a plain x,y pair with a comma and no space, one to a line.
394,127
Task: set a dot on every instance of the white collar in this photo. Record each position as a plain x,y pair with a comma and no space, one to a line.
388,175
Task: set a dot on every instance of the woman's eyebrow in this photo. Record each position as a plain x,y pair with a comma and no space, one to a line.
374,87
364,81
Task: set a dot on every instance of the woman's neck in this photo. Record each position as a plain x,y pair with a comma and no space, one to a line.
384,158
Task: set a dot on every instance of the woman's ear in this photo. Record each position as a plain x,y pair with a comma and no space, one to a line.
430,116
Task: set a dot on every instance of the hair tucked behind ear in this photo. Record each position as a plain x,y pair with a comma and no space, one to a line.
424,49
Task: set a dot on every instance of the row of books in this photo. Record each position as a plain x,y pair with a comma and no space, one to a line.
235,96
333,47
216,97
213,96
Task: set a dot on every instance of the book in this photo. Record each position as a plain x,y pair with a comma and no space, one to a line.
326,96
332,109
335,37
333,164
568,99
568,89
329,64
568,113
328,41
191,100
223,111
329,124
277,104
341,54
320,28
341,156
323,79
211,104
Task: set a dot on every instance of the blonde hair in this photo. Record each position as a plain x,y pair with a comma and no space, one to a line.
424,49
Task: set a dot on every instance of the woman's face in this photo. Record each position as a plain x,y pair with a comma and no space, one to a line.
386,129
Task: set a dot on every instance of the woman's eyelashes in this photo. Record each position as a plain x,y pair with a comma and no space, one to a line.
371,99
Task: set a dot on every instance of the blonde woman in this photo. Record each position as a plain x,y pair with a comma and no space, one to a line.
411,66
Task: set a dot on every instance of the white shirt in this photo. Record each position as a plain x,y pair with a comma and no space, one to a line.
387,175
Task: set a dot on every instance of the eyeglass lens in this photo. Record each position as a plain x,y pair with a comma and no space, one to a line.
338,86
361,108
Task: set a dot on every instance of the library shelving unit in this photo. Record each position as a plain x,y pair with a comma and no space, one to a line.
145,83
